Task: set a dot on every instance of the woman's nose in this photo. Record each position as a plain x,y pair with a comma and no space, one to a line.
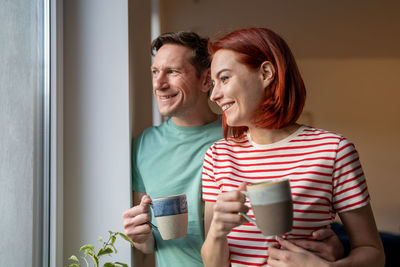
215,93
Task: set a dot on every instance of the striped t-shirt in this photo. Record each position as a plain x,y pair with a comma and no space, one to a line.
325,177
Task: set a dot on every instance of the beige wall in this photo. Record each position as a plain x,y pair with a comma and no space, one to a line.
358,98
140,62
348,53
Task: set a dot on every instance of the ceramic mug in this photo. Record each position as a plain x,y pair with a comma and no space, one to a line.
171,214
272,206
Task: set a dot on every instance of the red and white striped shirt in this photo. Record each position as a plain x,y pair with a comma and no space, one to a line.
325,177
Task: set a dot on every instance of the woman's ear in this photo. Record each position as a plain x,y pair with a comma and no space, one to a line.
268,72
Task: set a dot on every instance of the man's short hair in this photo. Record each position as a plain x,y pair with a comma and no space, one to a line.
191,40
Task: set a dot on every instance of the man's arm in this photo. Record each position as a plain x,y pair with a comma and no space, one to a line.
366,244
367,249
326,245
135,223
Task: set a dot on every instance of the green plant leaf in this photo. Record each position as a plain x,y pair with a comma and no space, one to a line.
89,248
109,264
95,259
74,265
100,239
112,239
115,249
126,238
73,258
122,264
104,251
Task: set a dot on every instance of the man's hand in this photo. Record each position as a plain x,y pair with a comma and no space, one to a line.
290,255
326,245
135,221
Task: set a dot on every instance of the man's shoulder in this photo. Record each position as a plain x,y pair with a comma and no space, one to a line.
152,131
169,132
146,138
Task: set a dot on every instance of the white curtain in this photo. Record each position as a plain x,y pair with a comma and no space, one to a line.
21,99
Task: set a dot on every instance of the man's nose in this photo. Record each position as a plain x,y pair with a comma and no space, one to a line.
160,82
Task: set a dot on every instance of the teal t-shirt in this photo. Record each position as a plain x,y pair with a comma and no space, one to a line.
167,160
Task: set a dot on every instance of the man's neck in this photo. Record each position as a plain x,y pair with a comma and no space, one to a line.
196,120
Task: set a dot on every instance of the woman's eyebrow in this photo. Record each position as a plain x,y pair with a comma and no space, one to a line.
220,71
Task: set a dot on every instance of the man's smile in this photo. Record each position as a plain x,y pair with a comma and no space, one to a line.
165,97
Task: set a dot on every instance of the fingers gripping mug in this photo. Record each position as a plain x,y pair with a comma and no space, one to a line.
272,206
171,216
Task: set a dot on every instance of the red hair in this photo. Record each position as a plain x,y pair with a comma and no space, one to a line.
286,95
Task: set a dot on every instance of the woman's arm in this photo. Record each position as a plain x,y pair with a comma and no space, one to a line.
215,251
219,219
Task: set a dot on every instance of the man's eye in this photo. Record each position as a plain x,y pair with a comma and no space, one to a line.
172,71
154,72
212,84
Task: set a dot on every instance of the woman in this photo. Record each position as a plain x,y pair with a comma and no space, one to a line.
259,88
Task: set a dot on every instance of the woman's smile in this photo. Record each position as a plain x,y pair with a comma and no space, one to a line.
224,107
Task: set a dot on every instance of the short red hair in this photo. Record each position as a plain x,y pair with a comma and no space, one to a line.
286,95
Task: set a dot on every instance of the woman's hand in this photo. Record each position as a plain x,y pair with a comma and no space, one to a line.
226,212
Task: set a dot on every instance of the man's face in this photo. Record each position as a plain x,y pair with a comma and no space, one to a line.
175,84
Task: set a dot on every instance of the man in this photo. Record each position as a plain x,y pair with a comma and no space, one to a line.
167,160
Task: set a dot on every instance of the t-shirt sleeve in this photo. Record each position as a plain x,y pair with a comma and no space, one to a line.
349,184
209,184
137,181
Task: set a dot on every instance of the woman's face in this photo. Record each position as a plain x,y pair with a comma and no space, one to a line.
238,90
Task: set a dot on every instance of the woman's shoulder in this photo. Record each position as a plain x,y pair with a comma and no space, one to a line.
313,132
229,146
321,136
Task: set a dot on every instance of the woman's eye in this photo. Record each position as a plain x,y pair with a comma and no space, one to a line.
224,79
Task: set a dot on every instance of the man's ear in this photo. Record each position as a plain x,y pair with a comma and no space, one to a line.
207,83
268,73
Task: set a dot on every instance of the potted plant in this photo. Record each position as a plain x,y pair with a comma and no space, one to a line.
107,248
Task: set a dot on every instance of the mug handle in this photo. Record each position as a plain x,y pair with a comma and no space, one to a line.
149,222
247,217
153,226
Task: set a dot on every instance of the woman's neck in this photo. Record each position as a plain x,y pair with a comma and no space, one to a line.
264,136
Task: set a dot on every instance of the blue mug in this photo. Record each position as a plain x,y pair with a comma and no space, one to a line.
171,214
